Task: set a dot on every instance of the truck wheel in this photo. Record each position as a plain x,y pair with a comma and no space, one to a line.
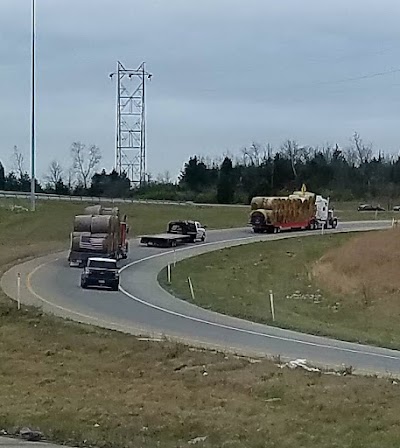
334,223
203,238
84,285
172,243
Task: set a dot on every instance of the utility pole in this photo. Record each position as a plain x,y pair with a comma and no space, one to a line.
130,146
33,199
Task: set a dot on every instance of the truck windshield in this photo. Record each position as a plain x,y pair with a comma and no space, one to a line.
102,264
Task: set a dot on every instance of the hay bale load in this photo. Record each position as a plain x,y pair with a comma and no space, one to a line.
272,213
98,231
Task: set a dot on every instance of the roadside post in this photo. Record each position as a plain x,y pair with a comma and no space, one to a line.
191,288
174,257
169,273
271,300
19,290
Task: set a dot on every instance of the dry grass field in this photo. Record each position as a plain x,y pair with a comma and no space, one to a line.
367,266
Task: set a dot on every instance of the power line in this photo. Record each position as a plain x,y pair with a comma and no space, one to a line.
359,78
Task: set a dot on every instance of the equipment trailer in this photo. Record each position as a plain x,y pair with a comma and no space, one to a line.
178,232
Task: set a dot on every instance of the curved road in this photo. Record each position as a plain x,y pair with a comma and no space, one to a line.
143,307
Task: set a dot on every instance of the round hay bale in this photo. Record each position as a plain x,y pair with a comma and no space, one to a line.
110,211
101,224
256,203
82,223
93,210
115,224
75,242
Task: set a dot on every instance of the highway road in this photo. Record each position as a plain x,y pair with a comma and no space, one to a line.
143,307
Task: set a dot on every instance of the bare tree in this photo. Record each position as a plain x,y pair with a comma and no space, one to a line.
363,151
55,174
291,149
85,161
70,178
256,154
18,162
164,178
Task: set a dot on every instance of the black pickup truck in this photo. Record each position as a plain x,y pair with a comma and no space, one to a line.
100,272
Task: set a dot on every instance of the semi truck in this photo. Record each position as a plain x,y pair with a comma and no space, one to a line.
98,232
178,232
299,211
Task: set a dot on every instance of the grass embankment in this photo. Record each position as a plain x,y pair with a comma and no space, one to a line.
89,386
339,296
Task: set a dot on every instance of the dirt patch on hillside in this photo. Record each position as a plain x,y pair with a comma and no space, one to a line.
367,266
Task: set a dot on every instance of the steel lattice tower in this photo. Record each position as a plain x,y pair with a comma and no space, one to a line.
130,152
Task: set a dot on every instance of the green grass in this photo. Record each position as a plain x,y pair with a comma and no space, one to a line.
53,220
86,386
236,281
347,211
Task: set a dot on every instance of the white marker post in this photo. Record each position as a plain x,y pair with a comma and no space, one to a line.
169,273
271,300
191,288
19,290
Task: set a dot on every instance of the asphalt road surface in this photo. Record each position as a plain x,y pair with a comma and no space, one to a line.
143,307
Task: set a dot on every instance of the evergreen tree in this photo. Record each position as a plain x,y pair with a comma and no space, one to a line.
226,182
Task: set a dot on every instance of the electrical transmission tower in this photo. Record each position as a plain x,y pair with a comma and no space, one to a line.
130,151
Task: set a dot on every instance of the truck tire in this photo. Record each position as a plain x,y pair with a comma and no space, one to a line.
83,284
172,243
334,223
203,238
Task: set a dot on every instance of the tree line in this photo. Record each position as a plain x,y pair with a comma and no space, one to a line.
356,172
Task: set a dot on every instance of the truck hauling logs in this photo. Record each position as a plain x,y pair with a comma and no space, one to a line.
300,210
98,232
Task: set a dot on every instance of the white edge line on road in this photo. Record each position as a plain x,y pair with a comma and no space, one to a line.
241,330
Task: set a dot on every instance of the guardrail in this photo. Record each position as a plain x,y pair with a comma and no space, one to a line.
93,199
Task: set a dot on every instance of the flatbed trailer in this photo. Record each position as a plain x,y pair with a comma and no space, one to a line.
166,240
79,258
178,232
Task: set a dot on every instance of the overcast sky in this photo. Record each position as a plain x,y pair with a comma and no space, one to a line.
225,73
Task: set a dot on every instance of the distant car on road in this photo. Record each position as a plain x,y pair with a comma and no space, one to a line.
370,208
396,208
100,272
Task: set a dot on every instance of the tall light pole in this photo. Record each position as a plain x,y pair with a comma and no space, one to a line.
33,205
